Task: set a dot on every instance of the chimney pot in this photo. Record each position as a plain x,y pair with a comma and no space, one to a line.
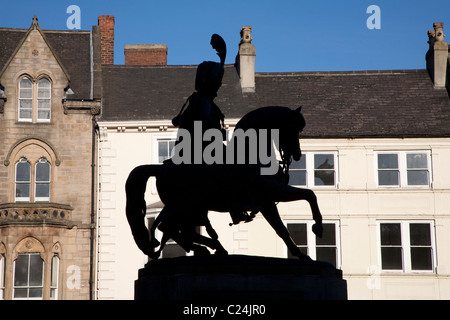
246,60
431,35
439,31
437,56
246,34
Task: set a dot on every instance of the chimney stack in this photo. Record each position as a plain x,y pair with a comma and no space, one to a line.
437,56
106,24
245,61
146,55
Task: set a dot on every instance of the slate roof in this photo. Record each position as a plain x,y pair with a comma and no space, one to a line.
9,40
390,103
71,47
158,93
74,51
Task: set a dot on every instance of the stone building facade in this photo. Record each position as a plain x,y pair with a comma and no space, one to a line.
49,100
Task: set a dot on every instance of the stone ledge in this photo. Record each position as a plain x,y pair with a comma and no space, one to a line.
92,107
23,213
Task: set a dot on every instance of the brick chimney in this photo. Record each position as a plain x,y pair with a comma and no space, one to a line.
245,60
106,24
146,55
437,56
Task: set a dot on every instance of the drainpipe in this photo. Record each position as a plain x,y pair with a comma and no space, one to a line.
92,224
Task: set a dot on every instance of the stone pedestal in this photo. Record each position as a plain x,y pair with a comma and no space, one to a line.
238,278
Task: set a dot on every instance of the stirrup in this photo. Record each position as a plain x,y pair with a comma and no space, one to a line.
243,217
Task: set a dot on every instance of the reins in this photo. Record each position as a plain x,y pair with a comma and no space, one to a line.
285,163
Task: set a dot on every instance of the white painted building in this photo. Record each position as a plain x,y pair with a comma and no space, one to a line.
376,151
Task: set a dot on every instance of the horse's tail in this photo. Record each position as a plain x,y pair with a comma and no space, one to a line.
136,207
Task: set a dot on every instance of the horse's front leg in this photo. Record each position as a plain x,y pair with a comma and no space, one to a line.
271,214
310,196
288,193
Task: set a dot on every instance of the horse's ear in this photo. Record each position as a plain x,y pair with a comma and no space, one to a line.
299,109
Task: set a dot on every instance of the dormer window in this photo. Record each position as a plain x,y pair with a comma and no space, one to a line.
25,100
34,100
44,90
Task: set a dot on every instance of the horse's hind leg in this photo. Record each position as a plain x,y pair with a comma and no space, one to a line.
164,239
212,243
210,230
185,239
270,212
190,239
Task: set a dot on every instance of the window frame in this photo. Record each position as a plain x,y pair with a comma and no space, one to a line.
403,170
47,182
155,153
38,99
28,286
2,276
310,170
35,99
170,151
54,278
28,198
32,198
172,136
311,238
406,246
20,99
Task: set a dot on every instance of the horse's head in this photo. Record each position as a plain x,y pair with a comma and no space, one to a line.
288,123
289,135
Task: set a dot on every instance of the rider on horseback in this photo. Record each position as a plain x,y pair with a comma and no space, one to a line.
201,107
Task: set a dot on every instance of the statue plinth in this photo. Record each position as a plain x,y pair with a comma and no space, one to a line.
238,278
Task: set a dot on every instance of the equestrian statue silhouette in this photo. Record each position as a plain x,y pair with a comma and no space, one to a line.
238,187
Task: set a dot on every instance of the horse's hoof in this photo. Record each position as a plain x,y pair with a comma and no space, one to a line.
154,255
221,252
154,243
317,228
305,258
201,251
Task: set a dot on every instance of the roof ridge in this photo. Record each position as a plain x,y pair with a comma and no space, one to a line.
170,66
13,29
66,31
339,73
45,30
120,66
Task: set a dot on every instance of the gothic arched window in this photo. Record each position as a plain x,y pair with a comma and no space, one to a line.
25,100
32,184
34,100
23,180
43,99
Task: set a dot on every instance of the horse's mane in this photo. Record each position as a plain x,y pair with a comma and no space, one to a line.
271,117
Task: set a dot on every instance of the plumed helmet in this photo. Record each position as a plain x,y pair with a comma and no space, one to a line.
209,74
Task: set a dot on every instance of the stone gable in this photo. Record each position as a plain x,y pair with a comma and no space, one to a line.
65,142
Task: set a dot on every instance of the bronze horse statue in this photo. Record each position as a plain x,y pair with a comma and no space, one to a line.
189,191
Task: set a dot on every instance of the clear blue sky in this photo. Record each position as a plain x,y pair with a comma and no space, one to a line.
289,35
